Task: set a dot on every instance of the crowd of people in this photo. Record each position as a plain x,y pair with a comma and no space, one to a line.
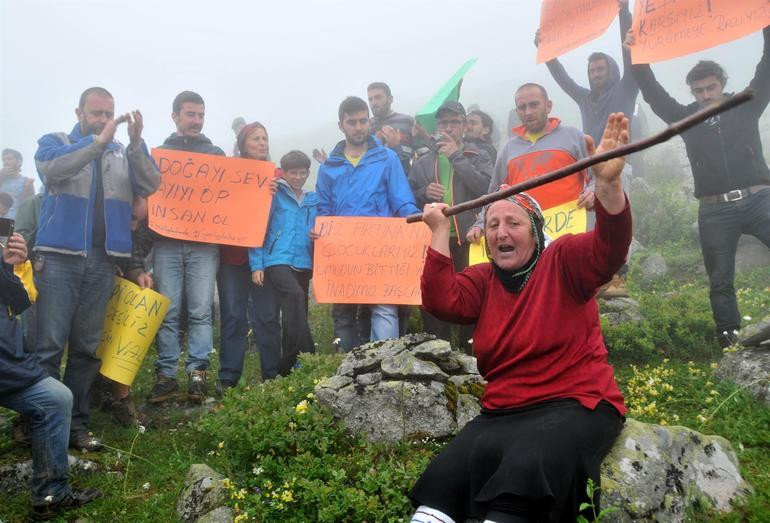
90,222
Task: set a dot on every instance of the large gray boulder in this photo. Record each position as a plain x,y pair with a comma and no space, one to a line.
202,494
656,473
620,310
751,253
755,334
15,478
413,386
653,267
749,368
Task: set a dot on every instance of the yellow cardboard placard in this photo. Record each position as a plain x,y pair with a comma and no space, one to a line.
132,319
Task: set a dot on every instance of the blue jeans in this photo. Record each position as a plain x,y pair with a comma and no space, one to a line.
73,292
189,268
235,286
384,320
720,226
46,405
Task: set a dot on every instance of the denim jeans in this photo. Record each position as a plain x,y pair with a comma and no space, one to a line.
384,320
291,287
720,226
73,292
46,405
187,268
235,287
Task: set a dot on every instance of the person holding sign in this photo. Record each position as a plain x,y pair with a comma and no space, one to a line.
284,263
185,267
90,182
540,145
551,409
457,172
361,177
235,287
732,180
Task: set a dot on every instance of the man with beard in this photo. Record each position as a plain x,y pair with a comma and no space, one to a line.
185,269
538,146
361,177
732,181
90,182
478,131
393,129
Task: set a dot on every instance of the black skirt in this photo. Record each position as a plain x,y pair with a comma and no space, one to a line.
532,461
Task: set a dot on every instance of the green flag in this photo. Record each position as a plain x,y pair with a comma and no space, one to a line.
449,91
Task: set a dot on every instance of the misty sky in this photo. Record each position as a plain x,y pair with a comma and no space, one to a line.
285,63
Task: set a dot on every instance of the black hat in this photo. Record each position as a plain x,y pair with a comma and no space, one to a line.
452,107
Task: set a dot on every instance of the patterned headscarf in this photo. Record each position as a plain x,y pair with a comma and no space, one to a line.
515,281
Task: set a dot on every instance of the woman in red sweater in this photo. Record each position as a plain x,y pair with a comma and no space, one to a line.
552,409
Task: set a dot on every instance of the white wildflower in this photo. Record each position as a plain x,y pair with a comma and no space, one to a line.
146,486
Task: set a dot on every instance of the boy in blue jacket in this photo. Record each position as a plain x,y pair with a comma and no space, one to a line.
285,260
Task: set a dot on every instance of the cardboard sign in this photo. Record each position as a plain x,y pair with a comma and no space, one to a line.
559,220
568,24
369,260
132,320
665,29
211,199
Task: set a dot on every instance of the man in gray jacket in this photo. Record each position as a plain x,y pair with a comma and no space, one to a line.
90,182
453,172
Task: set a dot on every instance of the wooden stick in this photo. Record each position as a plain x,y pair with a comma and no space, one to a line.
669,132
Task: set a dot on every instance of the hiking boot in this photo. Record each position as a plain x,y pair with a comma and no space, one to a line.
163,389
75,499
125,413
84,442
728,339
198,387
221,387
616,288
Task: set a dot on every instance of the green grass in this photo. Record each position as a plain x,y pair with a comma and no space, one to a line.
323,467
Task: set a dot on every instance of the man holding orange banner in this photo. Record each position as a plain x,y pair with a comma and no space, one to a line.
361,177
732,180
185,268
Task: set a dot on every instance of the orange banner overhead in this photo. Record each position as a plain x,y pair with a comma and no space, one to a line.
212,199
568,24
666,29
369,260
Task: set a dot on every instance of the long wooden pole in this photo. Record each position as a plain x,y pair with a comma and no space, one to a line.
669,132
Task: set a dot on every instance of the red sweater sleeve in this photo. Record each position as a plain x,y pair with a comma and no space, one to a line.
591,259
450,296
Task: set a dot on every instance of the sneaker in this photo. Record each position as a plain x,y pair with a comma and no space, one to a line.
728,339
83,441
75,499
198,387
616,288
163,389
125,413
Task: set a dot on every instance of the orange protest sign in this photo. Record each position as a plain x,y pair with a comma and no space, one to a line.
369,260
568,24
212,199
665,29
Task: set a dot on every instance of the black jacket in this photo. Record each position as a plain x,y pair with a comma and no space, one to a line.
725,152
18,368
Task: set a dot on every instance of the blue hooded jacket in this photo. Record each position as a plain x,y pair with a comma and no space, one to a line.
287,240
377,186
66,164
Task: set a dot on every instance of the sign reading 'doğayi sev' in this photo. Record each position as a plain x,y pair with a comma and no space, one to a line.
666,29
132,319
369,260
568,24
559,220
211,199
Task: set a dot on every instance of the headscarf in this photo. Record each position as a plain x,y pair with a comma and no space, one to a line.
245,132
515,281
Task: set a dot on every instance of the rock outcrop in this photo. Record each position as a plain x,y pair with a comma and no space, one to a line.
749,368
15,478
203,493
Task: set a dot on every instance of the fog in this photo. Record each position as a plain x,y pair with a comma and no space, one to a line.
287,64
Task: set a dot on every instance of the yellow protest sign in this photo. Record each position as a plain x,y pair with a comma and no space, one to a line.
564,219
130,324
667,29
477,252
369,260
